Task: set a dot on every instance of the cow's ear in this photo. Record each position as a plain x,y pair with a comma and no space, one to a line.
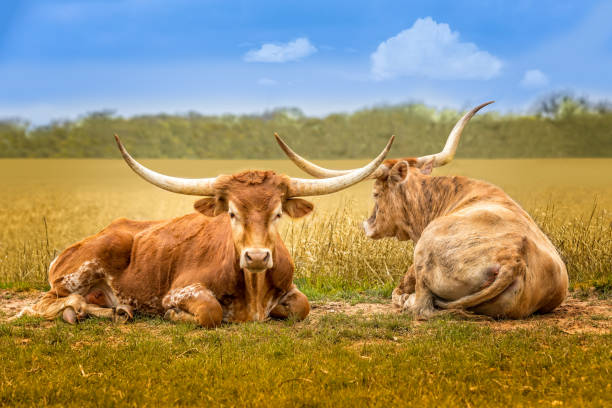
206,206
427,168
399,172
296,207
221,206
211,206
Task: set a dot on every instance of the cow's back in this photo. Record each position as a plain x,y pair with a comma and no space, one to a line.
110,248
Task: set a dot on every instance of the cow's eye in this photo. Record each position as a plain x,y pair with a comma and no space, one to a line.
232,215
279,215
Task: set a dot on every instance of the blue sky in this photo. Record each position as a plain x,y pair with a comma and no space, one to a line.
61,59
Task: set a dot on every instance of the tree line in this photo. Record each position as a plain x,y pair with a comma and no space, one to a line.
560,126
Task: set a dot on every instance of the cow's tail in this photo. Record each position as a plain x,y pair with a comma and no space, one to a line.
51,306
507,274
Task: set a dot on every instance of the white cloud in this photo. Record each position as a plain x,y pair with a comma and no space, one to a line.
267,82
534,78
432,50
291,51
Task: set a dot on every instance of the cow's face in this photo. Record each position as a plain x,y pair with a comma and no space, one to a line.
253,202
390,193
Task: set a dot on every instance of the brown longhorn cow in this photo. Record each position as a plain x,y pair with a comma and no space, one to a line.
226,262
475,247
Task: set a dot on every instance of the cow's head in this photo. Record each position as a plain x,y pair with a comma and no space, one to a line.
394,179
398,177
254,201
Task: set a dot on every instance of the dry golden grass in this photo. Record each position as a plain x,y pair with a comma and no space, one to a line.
49,204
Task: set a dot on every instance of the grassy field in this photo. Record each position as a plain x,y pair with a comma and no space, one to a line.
334,358
383,360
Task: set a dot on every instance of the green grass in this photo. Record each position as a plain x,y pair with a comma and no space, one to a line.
384,360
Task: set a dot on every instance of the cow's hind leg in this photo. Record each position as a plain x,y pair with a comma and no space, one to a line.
193,303
78,294
421,303
294,304
503,276
102,302
91,281
412,294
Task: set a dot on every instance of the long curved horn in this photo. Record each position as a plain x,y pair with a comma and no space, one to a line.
447,154
318,171
308,187
307,166
442,158
201,187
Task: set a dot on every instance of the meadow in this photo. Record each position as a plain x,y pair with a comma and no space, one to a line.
337,358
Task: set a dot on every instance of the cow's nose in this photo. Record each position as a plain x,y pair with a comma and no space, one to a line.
256,259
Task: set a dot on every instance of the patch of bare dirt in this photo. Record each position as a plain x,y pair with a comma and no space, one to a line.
319,309
591,315
575,315
12,302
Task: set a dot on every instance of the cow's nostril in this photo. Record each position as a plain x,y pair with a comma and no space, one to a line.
256,258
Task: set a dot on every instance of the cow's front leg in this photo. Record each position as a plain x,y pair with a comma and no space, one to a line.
400,295
193,303
293,304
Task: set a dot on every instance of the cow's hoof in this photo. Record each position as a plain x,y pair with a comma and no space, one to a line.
407,302
171,315
423,313
123,313
69,315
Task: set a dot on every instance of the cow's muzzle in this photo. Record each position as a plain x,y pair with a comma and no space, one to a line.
256,259
367,229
